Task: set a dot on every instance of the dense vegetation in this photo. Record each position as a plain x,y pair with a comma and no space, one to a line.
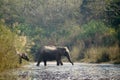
90,28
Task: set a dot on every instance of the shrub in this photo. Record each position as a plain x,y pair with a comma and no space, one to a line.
114,54
98,55
103,54
97,33
8,57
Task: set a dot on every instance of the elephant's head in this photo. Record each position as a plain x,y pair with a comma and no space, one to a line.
65,52
24,56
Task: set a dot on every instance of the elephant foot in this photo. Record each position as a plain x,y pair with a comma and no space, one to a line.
62,64
72,63
57,64
37,65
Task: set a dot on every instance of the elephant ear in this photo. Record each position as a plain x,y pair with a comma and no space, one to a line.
62,51
66,49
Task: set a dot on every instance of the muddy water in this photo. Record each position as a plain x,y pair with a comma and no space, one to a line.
79,71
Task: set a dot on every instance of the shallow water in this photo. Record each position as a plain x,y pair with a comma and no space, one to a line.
79,71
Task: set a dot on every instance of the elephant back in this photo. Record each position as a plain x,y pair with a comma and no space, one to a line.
48,49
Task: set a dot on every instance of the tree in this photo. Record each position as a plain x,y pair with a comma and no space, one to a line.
113,17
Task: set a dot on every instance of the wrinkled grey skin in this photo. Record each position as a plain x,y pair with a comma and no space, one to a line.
49,53
22,56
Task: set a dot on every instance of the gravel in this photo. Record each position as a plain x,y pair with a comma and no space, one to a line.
78,71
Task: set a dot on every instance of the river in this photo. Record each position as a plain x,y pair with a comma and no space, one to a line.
78,71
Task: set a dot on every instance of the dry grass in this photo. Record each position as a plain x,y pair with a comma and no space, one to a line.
102,54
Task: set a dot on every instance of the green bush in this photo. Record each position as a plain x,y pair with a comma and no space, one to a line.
8,57
96,33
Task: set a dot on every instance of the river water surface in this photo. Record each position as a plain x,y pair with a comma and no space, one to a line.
78,71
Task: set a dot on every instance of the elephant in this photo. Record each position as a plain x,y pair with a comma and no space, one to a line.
22,56
50,53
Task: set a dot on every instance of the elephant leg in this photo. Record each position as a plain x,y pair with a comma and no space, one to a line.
61,62
58,59
70,60
45,63
39,60
38,63
57,62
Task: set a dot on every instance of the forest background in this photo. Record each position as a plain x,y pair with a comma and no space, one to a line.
89,28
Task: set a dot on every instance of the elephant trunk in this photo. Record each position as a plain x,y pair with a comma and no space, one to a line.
20,60
68,57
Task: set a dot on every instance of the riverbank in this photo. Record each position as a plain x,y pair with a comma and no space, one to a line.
78,71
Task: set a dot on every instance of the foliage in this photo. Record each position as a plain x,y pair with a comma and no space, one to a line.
8,57
82,25
114,54
102,54
113,13
96,55
92,35
113,16
97,33
92,9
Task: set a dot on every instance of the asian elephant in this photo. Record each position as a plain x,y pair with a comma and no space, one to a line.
22,56
49,53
